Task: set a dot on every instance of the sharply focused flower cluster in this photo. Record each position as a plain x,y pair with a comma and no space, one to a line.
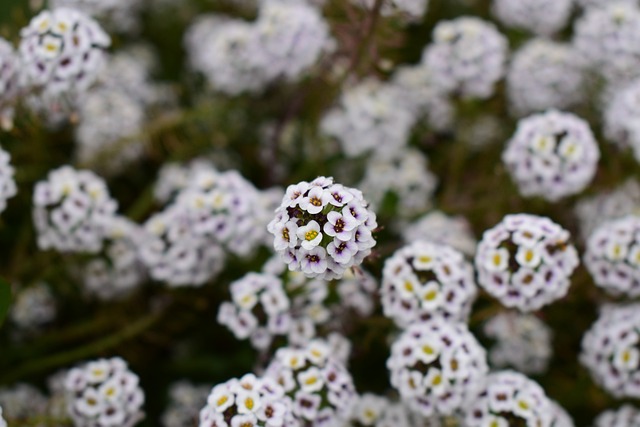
611,350
71,210
322,228
621,125
320,390
467,57
508,398
525,261
552,155
542,17
544,74
522,341
436,366
104,393
425,279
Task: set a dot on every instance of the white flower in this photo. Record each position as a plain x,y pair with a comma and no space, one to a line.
543,17
310,235
626,415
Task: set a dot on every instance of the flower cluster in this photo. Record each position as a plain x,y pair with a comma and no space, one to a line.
611,350
71,209
425,279
542,17
552,155
619,117
104,393
121,15
186,401
405,175
607,38
236,56
544,74
3,423
319,388
9,67
436,366
22,402
439,228
414,10
33,307
371,117
625,416
117,270
322,228
467,57
522,341
508,398
525,261
249,401
8,187
62,51
379,411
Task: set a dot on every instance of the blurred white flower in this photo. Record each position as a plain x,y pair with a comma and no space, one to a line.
542,17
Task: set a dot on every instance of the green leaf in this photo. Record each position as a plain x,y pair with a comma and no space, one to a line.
5,299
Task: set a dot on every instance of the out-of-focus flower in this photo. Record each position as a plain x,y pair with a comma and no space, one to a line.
8,187
413,10
185,402
625,416
9,67
437,227
379,411
120,15
620,117
22,403
34,307
525,261
542,17
552,155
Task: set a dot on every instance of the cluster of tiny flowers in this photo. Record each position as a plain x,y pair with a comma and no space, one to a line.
8,187
121,15
33,307
425,279
22,403
552,155
71,209
356,290
104,393
467,57
561,416
320,389
436,366
9,66
237,56
613,256
378,411
509,398
174,177
117,270
625,416
611,350
522,341
185,402
542,17
608,39
370,118
595,210
3,423
247,402
525,261
62,51
544,74
437,227
406,175
175,254
322,228
620,116
413,10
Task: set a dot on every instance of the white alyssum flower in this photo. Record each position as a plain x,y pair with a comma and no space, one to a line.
62,51
544,74
542,17
525,261
3,423
318,386
404,174
185,402
436,366
175,254
522,341
370,117
33,307
607,38
117,270
593,211
510,398
71,209
104,393
380,411
467,57
425,279
437,227
9,81
561,416
120,15
21,403
625,416
620,118
413,10
322,228
552,155
601,3
611,350
8,187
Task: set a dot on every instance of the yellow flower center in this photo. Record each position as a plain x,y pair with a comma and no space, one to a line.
311,380
523,405
285,234
310,235
408,286
315,201
425,259
248,402
437,380
222,400
431,295
427,349
110,391
528,256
